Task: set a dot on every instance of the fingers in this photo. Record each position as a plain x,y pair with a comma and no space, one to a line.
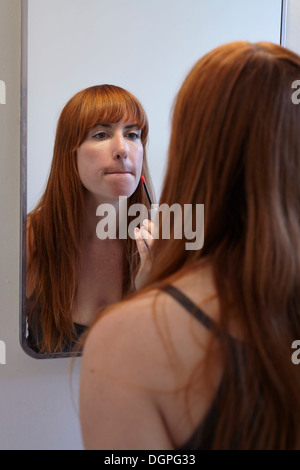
144,238
142,246
146,235
149,226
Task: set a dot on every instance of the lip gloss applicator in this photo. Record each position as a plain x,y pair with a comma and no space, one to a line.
146,189
152,211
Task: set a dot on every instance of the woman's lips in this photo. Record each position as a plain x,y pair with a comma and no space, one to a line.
118,173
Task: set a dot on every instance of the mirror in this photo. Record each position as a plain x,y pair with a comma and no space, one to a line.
144,47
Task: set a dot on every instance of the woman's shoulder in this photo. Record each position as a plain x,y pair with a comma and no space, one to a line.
148,347
129,319
155,312
149,330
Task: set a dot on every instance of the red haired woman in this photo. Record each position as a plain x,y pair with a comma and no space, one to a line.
200,358
99,155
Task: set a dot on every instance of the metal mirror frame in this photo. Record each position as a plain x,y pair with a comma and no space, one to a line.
23,195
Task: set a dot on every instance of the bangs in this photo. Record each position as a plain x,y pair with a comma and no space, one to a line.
107,104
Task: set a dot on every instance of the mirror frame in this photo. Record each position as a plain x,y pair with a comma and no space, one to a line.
23,178
283,22
23,195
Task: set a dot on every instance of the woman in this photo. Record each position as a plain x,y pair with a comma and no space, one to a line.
201,357
72,273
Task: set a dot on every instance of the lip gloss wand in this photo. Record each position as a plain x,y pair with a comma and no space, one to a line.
146,189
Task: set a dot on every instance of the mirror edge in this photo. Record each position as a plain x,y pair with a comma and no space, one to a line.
283,23
23,193
23,173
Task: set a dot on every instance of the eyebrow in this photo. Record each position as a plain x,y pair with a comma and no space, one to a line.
128,126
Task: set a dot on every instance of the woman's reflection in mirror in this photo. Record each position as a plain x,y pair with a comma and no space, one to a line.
99,155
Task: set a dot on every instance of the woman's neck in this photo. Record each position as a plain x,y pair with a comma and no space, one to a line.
100,225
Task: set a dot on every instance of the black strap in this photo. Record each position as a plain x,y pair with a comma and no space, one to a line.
192,308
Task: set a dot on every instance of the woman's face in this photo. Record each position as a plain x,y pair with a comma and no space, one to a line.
110,160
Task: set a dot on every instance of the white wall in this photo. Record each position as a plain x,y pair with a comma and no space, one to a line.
36,407
37,410
144,46
291,33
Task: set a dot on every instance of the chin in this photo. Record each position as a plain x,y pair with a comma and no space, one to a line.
126,191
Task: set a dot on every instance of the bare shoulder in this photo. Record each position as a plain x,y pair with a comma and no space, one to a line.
149,341
137,361
154,332
127,330
118,381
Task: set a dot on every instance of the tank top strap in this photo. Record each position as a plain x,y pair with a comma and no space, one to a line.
190,306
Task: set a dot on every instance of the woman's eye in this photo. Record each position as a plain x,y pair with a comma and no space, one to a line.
133,135
100,135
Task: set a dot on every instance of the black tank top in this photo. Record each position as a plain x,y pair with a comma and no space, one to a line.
32,334
68,346
202,437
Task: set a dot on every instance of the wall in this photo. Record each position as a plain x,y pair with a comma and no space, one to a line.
38,398
144,46
291,33
37,407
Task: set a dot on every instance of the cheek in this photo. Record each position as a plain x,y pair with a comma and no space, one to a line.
139,162
81,167
84,166
87,161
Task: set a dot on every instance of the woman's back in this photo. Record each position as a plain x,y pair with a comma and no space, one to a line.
163,348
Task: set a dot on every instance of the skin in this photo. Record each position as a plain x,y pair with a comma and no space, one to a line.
109,164
137,364
134,361
138,387
144,239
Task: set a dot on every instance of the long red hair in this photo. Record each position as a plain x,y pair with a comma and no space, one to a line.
235,147
55,224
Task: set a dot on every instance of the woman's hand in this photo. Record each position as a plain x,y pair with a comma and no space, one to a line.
144,239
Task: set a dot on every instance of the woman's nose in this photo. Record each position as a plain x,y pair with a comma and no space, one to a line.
120,150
